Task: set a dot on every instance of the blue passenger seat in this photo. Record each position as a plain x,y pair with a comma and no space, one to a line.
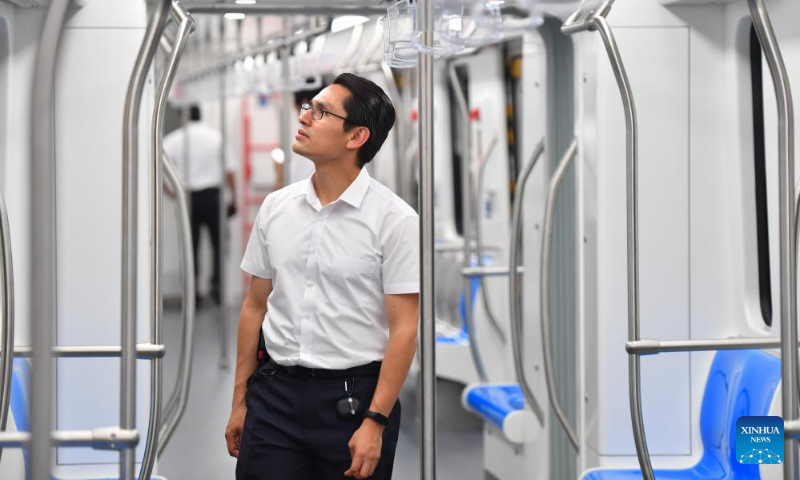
740,383
502,405
20,393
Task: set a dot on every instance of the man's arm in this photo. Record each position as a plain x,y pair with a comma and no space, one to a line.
252,316
402,312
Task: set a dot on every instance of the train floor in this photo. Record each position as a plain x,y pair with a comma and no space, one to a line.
197,449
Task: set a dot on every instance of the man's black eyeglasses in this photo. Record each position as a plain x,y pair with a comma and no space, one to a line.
317,112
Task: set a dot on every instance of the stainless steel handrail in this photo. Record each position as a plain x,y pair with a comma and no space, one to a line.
489,271
7,343
788,268
654,347
144,351
176,408
466,221
185,28
544,301
106,438
369,53
427,292
596,21
130,161
476,211
515,287
41,193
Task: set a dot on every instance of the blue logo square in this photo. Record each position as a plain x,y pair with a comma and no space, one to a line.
759,440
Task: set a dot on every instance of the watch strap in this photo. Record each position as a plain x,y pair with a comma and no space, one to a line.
378,417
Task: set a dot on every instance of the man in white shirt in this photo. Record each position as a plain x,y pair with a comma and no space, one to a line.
335,291
196,151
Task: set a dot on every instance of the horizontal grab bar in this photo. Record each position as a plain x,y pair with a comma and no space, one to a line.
654,347
107,438
489,271
143,351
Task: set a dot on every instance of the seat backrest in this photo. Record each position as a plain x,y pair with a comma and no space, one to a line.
740,383
20,395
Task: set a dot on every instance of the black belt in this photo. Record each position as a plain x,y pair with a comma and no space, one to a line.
368,370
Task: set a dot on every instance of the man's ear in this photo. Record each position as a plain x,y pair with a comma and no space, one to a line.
358,137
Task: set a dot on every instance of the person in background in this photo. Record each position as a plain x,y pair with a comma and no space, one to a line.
195,151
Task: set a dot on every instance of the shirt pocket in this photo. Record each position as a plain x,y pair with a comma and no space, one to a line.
354,280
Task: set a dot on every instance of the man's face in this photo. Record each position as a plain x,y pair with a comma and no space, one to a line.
326,138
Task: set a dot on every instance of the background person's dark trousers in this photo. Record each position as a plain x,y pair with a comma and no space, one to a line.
292,431
205,211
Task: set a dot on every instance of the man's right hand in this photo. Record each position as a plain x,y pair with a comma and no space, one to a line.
233,432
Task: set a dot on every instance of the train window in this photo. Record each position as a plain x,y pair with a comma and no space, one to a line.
456,135
513,78
760,176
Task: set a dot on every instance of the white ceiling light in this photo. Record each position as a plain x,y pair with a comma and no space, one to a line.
347,21
245,2
234,16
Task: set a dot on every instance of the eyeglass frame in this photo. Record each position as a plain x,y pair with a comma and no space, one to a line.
310,106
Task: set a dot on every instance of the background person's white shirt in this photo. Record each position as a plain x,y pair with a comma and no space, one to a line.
201,169
330,268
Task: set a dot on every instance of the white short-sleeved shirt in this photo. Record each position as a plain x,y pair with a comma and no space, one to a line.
330,268
200,167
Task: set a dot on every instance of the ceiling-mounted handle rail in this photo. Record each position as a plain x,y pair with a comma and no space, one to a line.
466,221
186,26
176,405
515,285
596,20
788,268
130,160
476,211
544,301
7,343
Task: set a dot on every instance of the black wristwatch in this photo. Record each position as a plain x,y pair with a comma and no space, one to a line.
378,417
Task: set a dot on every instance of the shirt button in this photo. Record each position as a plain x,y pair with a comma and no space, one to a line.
310,283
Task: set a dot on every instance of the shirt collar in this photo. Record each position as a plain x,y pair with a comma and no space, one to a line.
353,195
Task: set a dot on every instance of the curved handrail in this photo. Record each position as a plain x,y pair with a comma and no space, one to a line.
42,231
399,124
173,416
549,217
466,215
185,28
374,45
7,275
515,287
130,160
479,240
596,21
788,269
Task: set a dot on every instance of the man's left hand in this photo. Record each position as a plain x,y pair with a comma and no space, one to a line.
365,449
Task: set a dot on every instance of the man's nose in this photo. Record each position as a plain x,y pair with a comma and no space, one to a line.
304,117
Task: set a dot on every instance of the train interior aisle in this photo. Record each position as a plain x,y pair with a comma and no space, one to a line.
608,213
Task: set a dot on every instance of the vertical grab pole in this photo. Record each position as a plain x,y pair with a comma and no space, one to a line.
186,26
7,345
632,161
43,247
428,331
515,287
466,221
788,272
130,165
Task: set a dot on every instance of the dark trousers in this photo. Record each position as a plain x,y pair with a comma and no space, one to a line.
205,211
292,431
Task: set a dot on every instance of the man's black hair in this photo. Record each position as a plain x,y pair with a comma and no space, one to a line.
194,113
367,106
305,96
